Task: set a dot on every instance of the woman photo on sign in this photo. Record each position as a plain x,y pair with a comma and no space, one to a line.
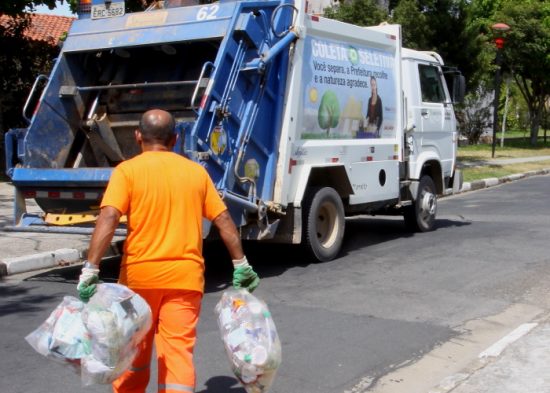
374,110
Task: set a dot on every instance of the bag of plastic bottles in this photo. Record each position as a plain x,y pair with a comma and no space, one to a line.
250,339
117,319
100,338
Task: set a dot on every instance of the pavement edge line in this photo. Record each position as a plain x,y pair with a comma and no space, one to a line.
497,348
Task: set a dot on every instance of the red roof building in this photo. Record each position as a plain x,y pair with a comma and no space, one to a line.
48,28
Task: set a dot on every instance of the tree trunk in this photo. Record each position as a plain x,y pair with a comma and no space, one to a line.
535,117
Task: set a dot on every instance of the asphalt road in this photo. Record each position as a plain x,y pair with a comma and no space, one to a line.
345,325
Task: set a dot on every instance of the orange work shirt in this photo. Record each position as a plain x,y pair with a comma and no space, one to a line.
165,197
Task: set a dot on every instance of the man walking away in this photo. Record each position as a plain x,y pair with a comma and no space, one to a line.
165,197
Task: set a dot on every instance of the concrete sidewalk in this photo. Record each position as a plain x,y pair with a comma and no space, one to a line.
22,252
518,363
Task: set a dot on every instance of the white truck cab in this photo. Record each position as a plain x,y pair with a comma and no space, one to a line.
432,131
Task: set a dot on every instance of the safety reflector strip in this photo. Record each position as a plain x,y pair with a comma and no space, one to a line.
29,194
176,387
81,195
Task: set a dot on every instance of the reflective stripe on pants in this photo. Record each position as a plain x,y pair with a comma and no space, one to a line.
175,316
169,387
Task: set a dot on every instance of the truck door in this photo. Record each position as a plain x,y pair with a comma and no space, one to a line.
436,116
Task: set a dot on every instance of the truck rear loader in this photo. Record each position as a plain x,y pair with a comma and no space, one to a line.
301,121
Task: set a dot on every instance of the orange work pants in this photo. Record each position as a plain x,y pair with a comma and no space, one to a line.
175,317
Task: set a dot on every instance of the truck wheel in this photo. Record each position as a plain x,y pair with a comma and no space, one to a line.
420,217
323,223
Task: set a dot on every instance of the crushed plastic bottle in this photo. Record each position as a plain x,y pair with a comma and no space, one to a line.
250,339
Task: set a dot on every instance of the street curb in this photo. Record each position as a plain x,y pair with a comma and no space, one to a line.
493,181
61,257
49,259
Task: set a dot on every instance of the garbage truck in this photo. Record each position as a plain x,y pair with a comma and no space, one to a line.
301,121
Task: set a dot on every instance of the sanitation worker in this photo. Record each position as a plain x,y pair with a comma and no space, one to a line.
165,196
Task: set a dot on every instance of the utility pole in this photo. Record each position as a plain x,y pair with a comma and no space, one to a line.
499,30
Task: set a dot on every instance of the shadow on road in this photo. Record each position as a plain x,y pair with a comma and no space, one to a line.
222,384
19,300
268,259
366,231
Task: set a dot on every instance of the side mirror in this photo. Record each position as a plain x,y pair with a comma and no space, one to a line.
459,88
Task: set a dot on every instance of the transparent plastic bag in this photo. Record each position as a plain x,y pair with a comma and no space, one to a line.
250,339
62,336
117,320
98,339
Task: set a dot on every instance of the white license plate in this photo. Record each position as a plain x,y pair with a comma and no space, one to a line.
100,11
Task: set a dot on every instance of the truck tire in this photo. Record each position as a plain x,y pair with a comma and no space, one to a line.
420,216
323,223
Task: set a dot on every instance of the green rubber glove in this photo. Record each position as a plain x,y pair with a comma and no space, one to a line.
87,281
87,291
244,276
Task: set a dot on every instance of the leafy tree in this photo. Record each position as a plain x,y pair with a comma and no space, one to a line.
451,36
527,54
358,12
415,28
443,26
19,7
21,60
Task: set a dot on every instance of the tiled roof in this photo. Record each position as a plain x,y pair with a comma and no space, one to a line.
44,27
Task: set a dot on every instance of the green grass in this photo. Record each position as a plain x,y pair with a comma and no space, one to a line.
485,172
513,148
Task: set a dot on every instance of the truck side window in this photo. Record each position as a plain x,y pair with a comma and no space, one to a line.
430,84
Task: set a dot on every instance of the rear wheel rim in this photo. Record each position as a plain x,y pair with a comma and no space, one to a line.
326,225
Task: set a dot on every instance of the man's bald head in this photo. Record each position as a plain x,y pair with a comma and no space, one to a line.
157,126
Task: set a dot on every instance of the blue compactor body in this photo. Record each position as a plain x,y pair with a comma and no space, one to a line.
219,68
